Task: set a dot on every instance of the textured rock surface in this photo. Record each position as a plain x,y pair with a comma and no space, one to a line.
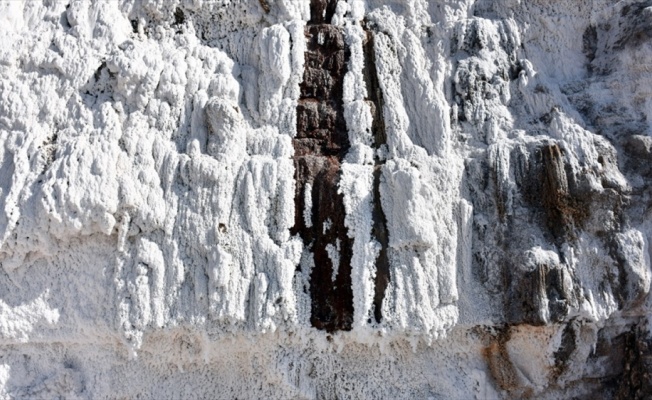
320,146
325,199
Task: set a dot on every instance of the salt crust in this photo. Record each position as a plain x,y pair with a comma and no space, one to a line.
147,193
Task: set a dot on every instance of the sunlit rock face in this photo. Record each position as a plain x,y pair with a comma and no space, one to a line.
325,199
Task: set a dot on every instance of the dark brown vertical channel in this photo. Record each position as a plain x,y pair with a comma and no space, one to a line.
379,229
320,145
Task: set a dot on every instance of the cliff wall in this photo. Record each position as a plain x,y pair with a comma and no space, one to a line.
325,199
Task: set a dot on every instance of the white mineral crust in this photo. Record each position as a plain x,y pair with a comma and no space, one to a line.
147,198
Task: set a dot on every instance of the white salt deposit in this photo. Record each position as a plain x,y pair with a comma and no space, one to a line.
147,197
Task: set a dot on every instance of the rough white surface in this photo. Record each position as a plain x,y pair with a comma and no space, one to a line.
147,197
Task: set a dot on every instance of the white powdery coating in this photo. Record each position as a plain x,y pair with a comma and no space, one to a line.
307,209
200,202
356,185
356,181
334,255
19,322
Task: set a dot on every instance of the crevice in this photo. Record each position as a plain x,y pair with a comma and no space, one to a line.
265,6
567,348
379,228
320,145
179,17
322,11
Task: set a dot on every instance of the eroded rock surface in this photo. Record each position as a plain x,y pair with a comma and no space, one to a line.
320,146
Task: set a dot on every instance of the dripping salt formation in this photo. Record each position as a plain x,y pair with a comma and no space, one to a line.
379,230
494,188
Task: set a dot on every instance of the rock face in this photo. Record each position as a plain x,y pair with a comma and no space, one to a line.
325,199
319,149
